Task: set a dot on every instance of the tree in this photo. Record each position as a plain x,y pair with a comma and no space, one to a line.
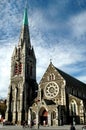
2,107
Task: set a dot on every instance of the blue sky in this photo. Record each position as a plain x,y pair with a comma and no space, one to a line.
57,31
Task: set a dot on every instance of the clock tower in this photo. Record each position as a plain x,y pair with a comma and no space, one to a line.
23,85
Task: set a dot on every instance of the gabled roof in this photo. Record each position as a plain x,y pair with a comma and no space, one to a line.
71,81
74,84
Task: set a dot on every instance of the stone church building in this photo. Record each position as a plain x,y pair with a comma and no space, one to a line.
58,99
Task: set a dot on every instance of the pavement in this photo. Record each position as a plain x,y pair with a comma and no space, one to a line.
64,127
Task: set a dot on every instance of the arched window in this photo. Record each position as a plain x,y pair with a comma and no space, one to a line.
73,108
16,69
51,77
20,68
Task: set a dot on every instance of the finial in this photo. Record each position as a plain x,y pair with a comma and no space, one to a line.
50,61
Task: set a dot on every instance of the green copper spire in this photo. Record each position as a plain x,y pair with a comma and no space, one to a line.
25,19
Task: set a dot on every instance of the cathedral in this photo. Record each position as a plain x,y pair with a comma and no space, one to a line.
58,99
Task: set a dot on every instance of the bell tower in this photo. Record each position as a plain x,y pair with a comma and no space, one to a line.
23,85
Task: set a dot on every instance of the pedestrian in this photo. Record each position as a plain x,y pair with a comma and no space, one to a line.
38,124
44,123
72,127
23,124
28,122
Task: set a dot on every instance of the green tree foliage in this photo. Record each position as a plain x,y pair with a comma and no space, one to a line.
2,108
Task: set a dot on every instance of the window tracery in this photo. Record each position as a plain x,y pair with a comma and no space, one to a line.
51,90
51,77
73,108
18,68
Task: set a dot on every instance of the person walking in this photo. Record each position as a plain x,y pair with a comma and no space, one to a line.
28,122
72,127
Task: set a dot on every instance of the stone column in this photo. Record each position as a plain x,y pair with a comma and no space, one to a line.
56,115
6,115
49,118
20,109
14,109
37,118
8,103
63,101
7,110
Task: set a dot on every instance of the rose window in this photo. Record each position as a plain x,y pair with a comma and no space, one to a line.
51,90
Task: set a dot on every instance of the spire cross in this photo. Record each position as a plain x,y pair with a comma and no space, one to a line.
50,60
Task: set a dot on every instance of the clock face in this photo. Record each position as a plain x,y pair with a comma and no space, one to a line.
51,90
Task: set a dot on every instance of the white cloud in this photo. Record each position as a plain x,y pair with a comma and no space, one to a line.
78,24
38,21
63,53
61,56
5,62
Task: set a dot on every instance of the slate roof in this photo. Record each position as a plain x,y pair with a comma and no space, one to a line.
71,81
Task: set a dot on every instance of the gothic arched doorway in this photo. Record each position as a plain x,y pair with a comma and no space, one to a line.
43,116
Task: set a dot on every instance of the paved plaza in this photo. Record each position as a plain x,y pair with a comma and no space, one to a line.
64,127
